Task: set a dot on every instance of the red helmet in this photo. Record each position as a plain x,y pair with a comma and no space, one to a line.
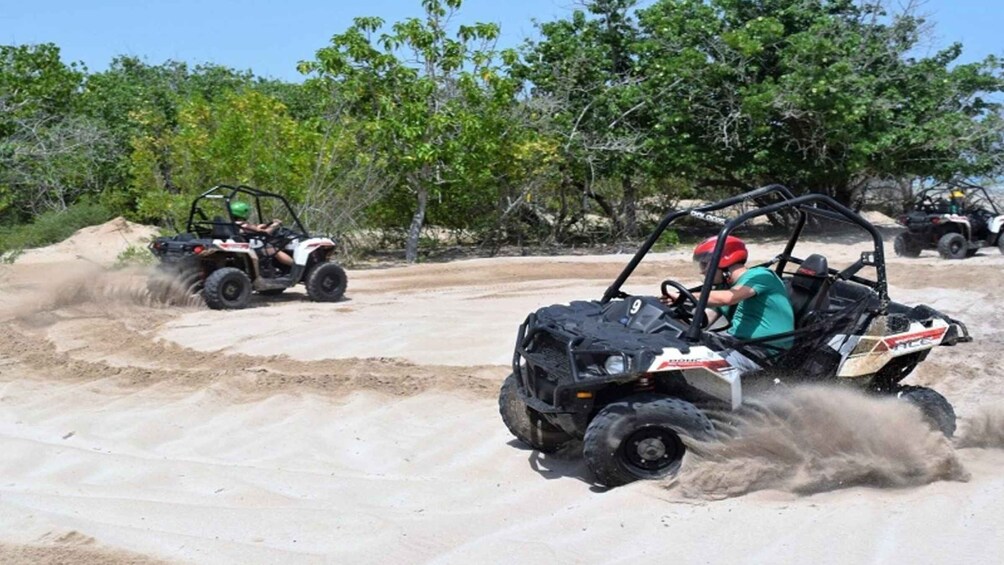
734,253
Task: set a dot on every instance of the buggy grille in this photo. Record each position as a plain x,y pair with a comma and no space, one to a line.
550,355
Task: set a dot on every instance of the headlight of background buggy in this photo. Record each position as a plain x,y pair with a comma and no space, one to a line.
614,364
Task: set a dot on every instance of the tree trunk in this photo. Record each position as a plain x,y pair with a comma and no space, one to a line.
610,212
844,193
629,207
411,247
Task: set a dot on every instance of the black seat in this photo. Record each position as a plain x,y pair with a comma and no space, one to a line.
810,288
223,229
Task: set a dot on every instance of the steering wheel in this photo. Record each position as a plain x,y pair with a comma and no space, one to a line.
280,236
685,294
681,302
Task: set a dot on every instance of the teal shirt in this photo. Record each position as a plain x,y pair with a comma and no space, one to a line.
766,313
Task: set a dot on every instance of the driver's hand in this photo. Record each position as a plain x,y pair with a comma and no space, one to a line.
276,222
670,297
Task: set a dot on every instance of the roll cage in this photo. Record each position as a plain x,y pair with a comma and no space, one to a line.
226,193
817,205
935,199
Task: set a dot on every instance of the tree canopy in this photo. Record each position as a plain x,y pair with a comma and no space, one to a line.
585,133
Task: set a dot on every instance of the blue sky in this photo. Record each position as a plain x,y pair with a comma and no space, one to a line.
270,37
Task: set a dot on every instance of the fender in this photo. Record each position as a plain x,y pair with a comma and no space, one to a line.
704,370
304,248
996,223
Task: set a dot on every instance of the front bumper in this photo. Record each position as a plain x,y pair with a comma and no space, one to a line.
553,367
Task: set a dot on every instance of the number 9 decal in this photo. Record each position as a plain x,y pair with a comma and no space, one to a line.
635,306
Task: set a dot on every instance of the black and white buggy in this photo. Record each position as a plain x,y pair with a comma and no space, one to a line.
955,229
630,376
215,258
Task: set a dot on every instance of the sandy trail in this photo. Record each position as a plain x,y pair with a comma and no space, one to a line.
367,431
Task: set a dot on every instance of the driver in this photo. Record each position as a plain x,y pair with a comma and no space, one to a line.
241,211
756,297
957,201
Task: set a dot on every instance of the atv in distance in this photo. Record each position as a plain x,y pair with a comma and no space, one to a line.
633,378
957,219
225,263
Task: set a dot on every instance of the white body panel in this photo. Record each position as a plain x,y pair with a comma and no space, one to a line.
996,223
865,355
303,249
704,370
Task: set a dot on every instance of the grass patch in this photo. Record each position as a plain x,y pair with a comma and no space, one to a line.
50,227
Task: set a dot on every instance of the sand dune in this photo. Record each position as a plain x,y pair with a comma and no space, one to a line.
367,431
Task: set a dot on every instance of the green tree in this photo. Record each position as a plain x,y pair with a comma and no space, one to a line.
137,100
49,155
823,95
240,138
584,75
430,116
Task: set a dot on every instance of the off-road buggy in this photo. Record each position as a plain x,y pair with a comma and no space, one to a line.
630,376
957,219
216,257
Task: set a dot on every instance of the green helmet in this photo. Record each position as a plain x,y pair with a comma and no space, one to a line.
240,210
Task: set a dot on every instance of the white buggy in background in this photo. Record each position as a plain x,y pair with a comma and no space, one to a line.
215,257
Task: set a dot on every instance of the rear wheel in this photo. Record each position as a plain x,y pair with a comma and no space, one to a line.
227,289
953,246
172,285
528,425
905,246
936,409
326,282
640,438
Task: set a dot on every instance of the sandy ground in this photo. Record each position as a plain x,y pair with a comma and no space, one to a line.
367,431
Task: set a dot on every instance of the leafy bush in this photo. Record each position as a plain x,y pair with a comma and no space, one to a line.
134,256
668,240
50,227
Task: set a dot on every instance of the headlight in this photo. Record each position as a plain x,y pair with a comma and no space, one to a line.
614,364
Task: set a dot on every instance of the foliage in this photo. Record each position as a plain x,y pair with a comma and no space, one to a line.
241,138
52,226
820,95
610,115
49,156
435,119
134,256
668,240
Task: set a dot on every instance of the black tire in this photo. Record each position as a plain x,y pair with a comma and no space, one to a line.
326,282
936,409
953,246
639,438
272,292
528,425
227,289
905,246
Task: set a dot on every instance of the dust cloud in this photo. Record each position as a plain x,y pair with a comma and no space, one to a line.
813,439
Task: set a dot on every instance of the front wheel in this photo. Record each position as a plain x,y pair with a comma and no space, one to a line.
227,289
936,409
526,423
326,282
640,437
